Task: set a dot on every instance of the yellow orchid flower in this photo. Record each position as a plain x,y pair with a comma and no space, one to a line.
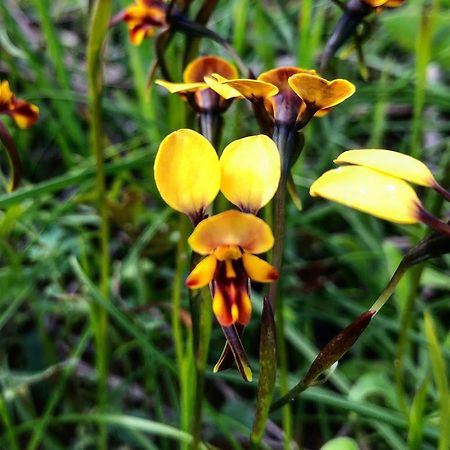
282,91
376,183
142,18
229,241
195,88
188,172
25,114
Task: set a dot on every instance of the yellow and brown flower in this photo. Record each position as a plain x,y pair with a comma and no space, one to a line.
195,88
25,114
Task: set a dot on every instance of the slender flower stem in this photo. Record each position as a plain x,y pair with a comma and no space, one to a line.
200,303
282,137
441,190
97,31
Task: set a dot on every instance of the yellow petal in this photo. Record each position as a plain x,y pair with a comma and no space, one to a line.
215,82
369,191
231,228
252,89
250,172
187,172
181,88
6,95
259,270
391,163
204,66
202,273
319,92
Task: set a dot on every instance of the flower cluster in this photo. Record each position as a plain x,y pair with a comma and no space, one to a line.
188,175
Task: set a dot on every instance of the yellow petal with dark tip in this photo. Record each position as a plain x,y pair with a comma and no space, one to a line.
259,270
187,171
202,273
369,191
181,88
252,89
231,228
215,82
320,92
250,170
6,95
391,163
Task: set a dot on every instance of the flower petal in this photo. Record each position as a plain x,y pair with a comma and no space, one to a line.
250,172
251,89
187,172
280,76
231,304
6,95
369,191
203,66
231,228
181,88
321,93
215,82
202,273
259,270
391,163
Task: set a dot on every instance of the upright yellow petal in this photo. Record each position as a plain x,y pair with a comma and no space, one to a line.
391,163
259,270
187,172
231,228
369,191
204,66
250,172
181,88
320,92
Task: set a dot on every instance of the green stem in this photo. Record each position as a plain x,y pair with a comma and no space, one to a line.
281,137
13,158
97,31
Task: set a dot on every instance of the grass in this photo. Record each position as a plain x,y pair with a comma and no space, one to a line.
96,339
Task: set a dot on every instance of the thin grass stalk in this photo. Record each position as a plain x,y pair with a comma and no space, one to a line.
10,431
98,28
304,53
423,51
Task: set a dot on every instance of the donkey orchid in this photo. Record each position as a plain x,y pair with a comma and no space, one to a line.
142,18
24,114
375,182
229,241
195,89
290,95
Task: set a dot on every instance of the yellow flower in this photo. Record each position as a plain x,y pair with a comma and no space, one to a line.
229,241
378,5
142,18
195,89
289,94
23,113
376,183
188,173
